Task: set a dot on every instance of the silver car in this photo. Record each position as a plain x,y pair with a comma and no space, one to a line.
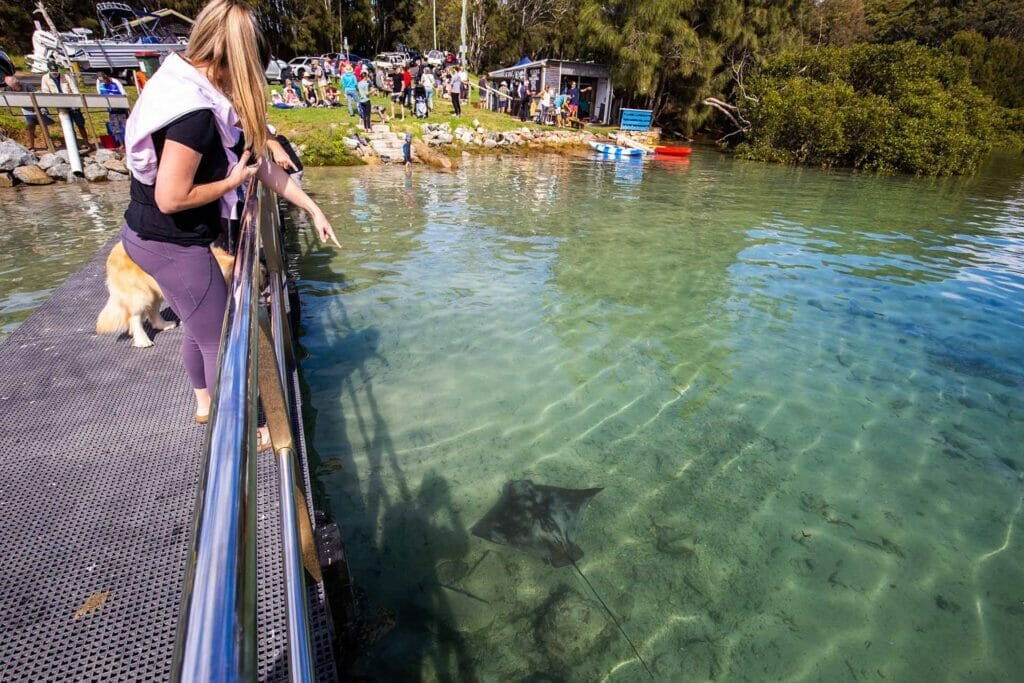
435,57
274,70
300,65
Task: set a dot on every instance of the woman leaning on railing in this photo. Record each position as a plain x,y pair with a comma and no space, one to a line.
197,132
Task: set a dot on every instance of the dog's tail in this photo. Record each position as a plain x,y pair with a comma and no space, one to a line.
112,318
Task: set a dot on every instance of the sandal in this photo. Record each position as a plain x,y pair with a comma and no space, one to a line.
202,419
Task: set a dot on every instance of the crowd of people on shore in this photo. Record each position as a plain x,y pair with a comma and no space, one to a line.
418,87
339,83
336,83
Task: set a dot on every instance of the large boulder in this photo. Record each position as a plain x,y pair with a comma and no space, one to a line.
115,165
95,173
13,155
48,161
58,171
114,175
32,175
104,155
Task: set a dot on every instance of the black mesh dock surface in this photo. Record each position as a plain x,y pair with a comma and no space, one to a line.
98,471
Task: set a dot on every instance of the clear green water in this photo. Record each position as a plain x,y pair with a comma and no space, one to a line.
802,392
46,235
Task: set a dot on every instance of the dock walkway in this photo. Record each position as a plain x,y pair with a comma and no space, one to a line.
97,485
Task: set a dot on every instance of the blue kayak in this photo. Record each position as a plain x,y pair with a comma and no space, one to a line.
616,151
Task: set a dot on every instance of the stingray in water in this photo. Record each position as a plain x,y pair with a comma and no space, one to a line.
542,521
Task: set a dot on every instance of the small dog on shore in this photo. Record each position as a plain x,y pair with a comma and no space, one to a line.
134,294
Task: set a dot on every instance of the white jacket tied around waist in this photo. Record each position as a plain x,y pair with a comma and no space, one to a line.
176,89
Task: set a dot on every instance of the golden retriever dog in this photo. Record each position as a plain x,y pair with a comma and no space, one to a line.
134,294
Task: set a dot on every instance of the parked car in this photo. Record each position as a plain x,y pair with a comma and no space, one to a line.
300,65
435,57
389,61
275,70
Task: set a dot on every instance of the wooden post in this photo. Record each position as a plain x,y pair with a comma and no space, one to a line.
42,122
88,118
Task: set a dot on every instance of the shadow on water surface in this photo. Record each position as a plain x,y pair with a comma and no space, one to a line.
395,537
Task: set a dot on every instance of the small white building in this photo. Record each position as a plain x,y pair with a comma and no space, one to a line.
595,102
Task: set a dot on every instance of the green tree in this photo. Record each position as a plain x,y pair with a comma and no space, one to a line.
670,55
836,22
887,108
997,65
933,21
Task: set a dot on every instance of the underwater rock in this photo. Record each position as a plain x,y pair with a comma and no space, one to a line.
569,627
946,604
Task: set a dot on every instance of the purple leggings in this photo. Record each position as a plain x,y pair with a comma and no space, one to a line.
192,284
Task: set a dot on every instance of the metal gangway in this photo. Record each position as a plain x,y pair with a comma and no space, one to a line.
134,544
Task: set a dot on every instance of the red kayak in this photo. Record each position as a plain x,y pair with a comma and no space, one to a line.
673,151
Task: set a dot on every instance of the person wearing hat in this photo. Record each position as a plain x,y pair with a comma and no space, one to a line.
505,97
55,82
428,82
349,85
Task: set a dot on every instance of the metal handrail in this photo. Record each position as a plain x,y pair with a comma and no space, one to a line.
216,638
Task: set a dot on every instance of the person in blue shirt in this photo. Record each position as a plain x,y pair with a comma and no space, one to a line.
349,85
105,85
560,101
574,97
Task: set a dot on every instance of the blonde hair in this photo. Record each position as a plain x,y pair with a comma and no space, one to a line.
226,40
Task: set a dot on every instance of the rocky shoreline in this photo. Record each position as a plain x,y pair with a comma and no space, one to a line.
437,144
19,165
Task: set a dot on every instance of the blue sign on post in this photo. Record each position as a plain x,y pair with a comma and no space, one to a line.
636,119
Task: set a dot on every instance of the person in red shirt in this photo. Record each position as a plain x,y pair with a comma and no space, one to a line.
407,87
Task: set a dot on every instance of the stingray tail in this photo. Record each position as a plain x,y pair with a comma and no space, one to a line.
614,620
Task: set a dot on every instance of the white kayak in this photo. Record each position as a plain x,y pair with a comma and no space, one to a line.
616,151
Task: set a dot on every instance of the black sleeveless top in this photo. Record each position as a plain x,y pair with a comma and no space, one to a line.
201,225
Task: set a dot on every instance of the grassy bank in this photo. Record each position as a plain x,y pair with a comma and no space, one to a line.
319,130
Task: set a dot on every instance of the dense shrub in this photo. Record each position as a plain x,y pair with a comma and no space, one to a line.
884,108
325,148
996,66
